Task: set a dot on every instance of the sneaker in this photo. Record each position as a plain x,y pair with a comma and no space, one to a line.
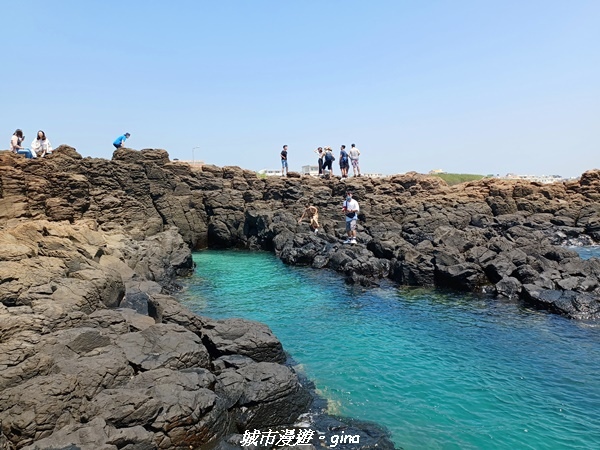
347,241
316,230
353,241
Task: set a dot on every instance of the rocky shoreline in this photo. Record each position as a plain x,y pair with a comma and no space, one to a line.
96,353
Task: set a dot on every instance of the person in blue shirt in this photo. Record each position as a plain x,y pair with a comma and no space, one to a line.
121,140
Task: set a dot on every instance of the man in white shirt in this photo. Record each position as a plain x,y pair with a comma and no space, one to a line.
353,154
350,209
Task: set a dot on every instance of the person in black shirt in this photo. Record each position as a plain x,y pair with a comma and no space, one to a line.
284,161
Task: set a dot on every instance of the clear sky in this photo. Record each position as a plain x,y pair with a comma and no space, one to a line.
466,86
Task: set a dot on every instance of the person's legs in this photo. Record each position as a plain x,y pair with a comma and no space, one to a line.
320,161
25,151
352,233
348,231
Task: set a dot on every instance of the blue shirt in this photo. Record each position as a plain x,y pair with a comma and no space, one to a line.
120,140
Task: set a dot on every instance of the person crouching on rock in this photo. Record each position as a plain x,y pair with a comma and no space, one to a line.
120,141
313,214
41,145
350,209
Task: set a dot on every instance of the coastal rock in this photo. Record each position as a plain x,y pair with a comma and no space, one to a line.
242,337
92,345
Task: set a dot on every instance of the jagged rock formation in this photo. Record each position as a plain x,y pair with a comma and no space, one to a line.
94,351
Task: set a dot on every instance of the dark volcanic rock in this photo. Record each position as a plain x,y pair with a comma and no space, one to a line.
85,243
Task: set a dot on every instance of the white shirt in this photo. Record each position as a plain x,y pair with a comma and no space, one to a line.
14,143
352,205
42,146
354,153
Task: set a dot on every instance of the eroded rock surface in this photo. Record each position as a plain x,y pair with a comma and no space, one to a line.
93,348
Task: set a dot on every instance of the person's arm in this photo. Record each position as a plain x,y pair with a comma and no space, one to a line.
303,214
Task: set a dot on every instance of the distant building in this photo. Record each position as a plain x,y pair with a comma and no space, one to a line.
545,179
436,171
270,173
195,163
372,175
310,170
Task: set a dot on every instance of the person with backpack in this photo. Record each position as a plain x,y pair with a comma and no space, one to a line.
329,159
344,166
350,209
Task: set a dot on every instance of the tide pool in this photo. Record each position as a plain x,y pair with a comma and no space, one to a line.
439,370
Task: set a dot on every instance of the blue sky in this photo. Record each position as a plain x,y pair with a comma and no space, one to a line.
465,86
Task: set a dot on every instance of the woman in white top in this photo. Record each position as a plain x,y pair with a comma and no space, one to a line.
41,145
16,147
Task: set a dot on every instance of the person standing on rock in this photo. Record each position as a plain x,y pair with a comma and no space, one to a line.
284,160
16,147
313,214
354,153
344,166
329,159
120,141
321,154
350,209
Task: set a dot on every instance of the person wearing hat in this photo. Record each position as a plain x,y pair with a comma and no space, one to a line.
351,210
121,140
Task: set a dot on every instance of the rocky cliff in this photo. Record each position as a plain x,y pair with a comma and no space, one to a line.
93,347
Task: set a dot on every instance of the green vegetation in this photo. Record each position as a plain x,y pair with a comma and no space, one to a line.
457,178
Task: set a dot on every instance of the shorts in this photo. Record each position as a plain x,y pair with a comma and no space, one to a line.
327,165
284,164
117,145
355,163
344,165
351,225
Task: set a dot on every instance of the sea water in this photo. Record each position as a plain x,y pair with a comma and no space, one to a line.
440,370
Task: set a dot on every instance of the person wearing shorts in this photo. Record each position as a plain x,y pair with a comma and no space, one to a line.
120,141
344,166
313,214
350,209
284,160
354,153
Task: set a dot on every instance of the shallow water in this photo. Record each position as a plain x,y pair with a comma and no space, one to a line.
439,370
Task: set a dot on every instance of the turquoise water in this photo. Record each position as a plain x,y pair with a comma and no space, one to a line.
439,370
587,252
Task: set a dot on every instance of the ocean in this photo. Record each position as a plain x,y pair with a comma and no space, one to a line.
440,370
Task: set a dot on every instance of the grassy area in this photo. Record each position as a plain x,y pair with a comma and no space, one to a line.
457,178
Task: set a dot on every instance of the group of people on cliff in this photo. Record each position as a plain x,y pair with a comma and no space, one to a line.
326,158
40,146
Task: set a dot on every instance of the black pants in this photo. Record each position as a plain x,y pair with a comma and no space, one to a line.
320,161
